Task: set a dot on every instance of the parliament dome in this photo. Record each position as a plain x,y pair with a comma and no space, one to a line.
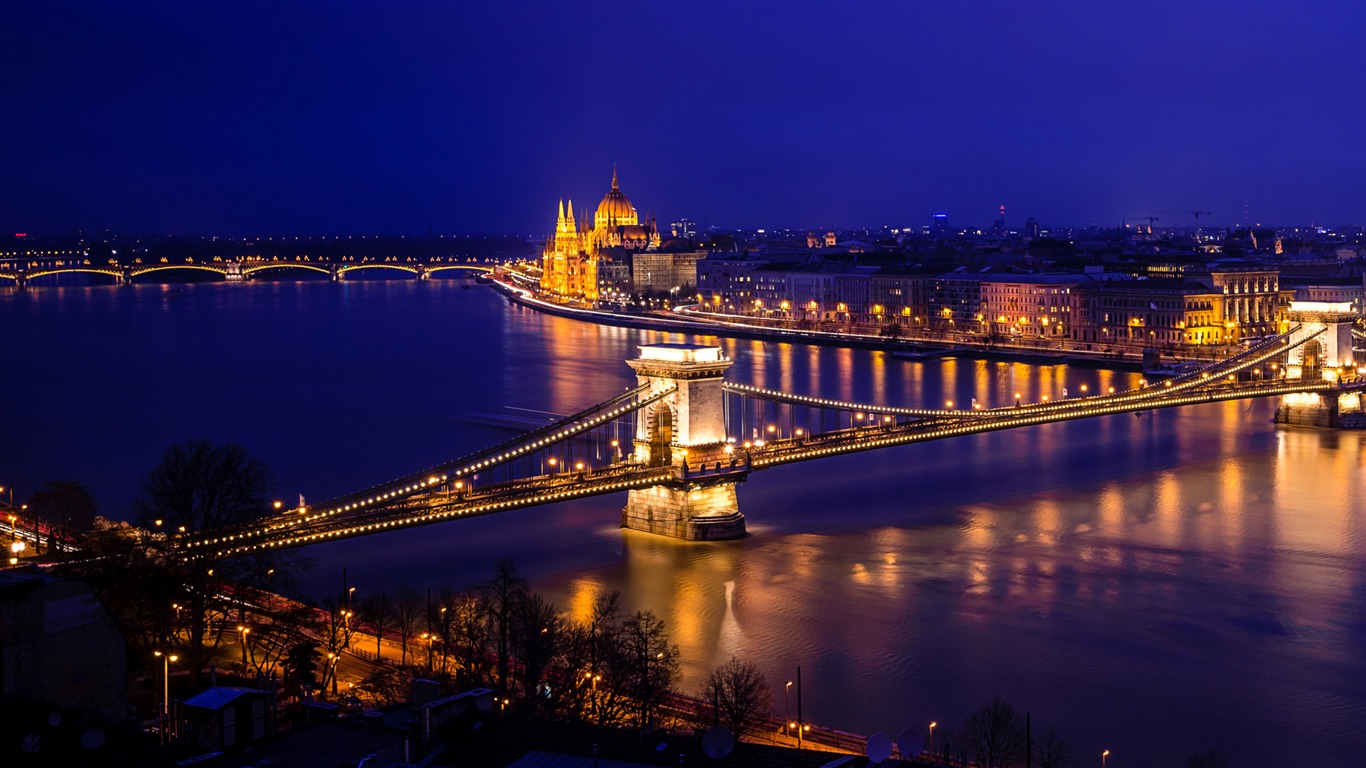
615,208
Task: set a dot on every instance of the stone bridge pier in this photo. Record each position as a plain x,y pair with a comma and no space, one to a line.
686,431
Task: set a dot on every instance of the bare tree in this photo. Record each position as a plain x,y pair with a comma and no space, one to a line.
1050,751
470,639
995,734
67,506
651,664
739,696
502,593
378,610
536,633
200,486
409,609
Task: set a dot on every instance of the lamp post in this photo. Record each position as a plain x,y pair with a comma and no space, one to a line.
1104,755
166,660
787,709
930,747
332,663
242,637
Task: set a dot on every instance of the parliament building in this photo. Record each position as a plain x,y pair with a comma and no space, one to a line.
573,254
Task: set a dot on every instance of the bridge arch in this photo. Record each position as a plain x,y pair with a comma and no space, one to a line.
147,270
659,437
263,266
341,270
432,268
70,270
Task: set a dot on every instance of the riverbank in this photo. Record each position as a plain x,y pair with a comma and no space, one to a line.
907,349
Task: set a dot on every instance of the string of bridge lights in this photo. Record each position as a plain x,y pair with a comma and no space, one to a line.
583,488
788,453
524,448
1169,394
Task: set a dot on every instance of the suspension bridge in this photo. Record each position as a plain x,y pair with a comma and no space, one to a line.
680,441
22,271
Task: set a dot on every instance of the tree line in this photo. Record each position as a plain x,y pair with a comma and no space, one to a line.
610,667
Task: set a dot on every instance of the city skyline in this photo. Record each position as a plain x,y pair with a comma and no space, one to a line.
477,118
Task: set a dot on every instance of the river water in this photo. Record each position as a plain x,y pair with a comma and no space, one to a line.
1150,585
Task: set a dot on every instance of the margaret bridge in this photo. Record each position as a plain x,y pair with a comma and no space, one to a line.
680,441
22,271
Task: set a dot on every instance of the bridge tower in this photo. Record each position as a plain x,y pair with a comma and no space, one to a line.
1327,357
685,430
232,271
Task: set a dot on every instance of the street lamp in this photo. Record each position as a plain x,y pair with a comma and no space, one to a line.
1104,755
787,709
930,747
242,637
165,690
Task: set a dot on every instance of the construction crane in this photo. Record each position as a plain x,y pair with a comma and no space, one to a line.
1150,219
1197,215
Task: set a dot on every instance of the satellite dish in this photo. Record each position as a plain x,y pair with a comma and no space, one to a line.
911,742
879,747
717,743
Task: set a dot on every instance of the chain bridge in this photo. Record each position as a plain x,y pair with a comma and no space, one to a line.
22,271
680,441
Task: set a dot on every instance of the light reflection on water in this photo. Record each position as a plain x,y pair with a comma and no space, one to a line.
1150,584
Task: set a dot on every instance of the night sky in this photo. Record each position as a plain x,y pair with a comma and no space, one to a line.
246,118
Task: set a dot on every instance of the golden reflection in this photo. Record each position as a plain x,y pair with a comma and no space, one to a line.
879,371
1048,523
844,366
948,376
758,354
583,594
1109,519
786,383
1167,509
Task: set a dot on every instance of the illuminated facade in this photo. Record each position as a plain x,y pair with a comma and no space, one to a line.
569,264
568,268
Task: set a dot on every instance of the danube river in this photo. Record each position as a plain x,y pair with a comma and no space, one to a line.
1150,585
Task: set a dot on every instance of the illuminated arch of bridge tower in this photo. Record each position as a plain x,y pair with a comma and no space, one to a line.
1327,355
1331,352
686,430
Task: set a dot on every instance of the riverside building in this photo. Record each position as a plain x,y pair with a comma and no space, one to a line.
570,261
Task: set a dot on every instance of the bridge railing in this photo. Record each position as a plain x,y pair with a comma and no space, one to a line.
394,493
867,438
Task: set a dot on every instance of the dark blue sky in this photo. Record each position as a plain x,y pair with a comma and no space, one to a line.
390,117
